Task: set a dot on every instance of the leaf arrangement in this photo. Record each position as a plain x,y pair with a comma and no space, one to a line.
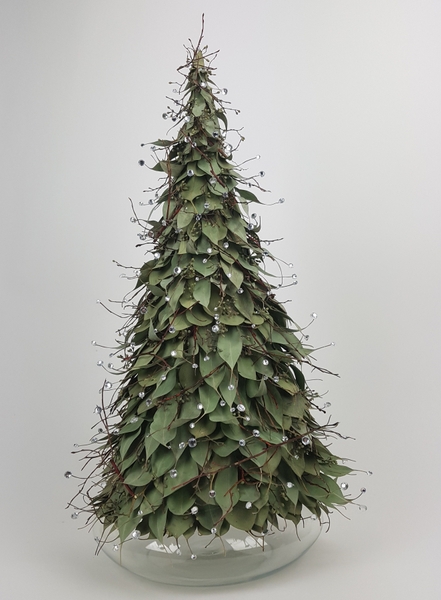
211,425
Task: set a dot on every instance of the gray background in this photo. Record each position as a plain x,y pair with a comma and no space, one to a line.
341,99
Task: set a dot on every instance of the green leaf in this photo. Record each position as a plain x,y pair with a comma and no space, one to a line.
229,346
137,476
203,428
226,488
157,522
202,291
126,442
225,448
161,425
247,195
165,386
126,524
209,516
249,493
237,226
246,368
215,378
229,395
234,274
181,500
200,453
178,525
241,518
209,398
150,446
186,470
161,461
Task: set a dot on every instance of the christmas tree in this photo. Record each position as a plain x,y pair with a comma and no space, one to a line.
211,424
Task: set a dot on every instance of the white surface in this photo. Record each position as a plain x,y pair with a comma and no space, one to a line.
341,99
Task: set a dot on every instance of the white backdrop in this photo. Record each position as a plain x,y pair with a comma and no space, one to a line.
342,101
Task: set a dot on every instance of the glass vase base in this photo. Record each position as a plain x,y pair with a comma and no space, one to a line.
236,557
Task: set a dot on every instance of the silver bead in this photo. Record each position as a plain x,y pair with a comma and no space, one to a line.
305,440
224,91
281,200
285,438
265,362
75,515
97,410
213,530
327,405
164,115
134,420
136,534
289,484
107,385
206,205
190,173
209,250
194,510
192,425
248,505
177,270
196,278
200,406
291,266
222,403
369,473
181,445
226,245
163,377
212,494
314,315
115,548
93,342
212,180
157,255
193,557
205,260
148,402
232,409
100,363
256,433
362,507
173,473
215,329
173,353
241,408
194,366
344,486
363,490
206,358
242,443
261,173
231,387
171,329
192,442
276,379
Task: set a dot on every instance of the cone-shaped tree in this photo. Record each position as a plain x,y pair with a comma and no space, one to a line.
211,426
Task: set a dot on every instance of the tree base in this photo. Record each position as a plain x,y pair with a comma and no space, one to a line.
236,557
